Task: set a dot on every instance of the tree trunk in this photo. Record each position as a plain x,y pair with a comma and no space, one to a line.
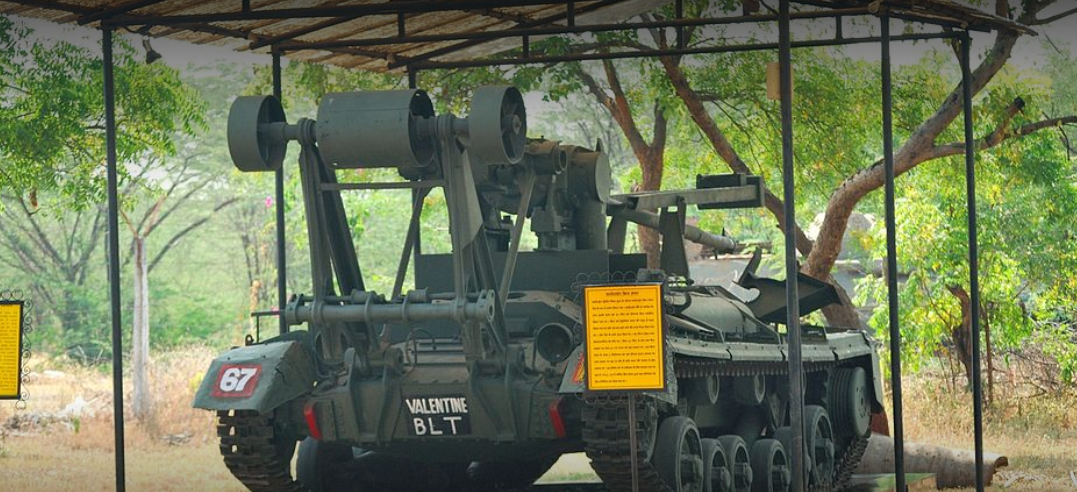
649,242
961,335
990,355
842,315
651,156
952,468
142,400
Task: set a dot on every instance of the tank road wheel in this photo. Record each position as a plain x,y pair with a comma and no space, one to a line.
850,402
717,474
784,435
740,465
320,464
703,391
678,456
750,390
819,439
770,466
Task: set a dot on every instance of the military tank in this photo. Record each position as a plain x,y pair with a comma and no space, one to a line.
472,379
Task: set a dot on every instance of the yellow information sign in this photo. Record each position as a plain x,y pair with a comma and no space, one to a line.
10,349
625,340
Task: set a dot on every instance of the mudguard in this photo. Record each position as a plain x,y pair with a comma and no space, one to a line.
256,377
572,381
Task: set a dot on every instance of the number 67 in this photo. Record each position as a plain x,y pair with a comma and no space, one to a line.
236,380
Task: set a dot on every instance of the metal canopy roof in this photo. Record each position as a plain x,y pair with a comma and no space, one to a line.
392,35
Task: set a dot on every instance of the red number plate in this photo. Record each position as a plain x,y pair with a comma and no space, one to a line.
237,380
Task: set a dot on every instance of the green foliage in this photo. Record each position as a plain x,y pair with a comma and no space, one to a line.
52,119
1027,196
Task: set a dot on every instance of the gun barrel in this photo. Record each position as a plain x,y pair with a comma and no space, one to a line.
720,244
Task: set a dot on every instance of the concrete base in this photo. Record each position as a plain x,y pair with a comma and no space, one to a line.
888,483
917,482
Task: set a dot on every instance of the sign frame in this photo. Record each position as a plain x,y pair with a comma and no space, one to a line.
21,336
663,332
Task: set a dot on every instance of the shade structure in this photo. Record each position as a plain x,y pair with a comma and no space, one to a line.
384,36
415,35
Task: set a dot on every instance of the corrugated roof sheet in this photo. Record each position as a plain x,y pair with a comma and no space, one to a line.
225,23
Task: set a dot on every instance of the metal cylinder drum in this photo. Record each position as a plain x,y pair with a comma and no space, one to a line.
546,156
497,126
590,173
554,342
251,144
376,129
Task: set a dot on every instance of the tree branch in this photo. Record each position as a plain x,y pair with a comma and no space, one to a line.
723,147
920,144
88,251
39,237
617,107
187,230
1053,18
996,138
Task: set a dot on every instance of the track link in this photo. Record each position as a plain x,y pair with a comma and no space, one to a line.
252,452
605,432
846,465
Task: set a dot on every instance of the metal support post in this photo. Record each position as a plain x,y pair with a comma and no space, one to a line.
974,257
796,367
114,254
891,257
417,247
282,254
633,443
678,7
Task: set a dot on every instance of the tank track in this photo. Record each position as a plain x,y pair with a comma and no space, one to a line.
847,464
248,444
605,432
605,435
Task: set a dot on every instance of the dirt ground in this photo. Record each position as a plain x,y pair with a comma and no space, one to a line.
62,441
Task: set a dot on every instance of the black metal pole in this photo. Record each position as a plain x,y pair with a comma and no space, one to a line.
417,247
282,253
114,254
796,374
891,257
974,258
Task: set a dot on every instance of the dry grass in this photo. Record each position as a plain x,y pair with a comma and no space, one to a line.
174,452
1037,434
177,451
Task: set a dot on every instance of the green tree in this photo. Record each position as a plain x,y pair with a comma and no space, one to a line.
52,120
52,158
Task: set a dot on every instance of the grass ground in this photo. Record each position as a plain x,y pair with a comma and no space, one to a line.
45,449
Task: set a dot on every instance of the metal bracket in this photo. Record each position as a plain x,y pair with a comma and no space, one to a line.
671,226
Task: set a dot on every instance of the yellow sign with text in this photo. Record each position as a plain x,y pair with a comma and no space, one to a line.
625,339
10,349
